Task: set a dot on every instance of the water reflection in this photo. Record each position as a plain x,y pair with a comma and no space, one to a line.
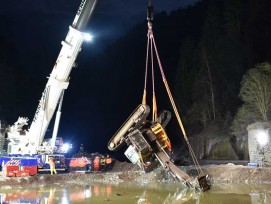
140,194
183,196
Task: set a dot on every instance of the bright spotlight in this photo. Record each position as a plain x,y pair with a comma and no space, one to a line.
262,137
65,147
88,37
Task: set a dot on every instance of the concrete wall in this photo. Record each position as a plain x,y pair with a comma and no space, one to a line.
259,153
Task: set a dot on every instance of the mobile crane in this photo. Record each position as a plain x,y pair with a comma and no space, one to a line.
32,141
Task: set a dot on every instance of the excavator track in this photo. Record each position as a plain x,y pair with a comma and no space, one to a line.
135,119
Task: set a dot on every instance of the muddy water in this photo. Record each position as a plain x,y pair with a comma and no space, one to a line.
127,193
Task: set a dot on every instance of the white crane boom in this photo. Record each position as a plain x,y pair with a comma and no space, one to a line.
31,142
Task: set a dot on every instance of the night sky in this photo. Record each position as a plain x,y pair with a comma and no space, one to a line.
36,29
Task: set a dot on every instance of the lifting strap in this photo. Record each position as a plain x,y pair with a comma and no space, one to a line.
150,45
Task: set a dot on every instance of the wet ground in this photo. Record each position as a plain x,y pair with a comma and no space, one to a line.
127,172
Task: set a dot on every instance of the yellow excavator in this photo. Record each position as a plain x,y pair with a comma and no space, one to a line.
147,141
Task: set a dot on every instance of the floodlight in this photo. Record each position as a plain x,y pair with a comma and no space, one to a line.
88,37
65,147
262,137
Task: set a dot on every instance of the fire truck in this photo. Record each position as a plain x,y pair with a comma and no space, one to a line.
31,142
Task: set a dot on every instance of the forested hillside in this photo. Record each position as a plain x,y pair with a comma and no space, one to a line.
205,50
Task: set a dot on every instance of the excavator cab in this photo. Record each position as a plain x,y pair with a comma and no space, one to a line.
140,151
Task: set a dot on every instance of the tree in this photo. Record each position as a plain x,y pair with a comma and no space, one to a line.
255,89
186,72
255,93
242,119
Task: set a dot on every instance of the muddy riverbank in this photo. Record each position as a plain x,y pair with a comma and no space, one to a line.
127,172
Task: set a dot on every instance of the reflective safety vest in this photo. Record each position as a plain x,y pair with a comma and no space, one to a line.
96,163
103,161
108,160
51,163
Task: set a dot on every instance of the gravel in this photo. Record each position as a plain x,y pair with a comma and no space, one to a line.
128,172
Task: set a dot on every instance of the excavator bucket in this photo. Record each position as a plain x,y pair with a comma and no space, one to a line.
204,183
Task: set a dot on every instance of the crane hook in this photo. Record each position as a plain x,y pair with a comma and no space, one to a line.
150,12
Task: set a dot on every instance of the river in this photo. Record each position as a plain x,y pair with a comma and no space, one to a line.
128,193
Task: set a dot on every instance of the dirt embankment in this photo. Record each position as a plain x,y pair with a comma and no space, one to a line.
127,172
238,174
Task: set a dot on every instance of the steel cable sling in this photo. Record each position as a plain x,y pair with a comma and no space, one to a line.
150,45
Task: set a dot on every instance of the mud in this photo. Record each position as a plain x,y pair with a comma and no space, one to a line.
127,172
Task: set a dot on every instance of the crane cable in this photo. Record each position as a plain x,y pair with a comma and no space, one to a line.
151,41
176,111
150,47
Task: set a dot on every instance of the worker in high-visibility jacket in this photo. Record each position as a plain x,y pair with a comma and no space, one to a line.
102,163
108,162
96,164
52,165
